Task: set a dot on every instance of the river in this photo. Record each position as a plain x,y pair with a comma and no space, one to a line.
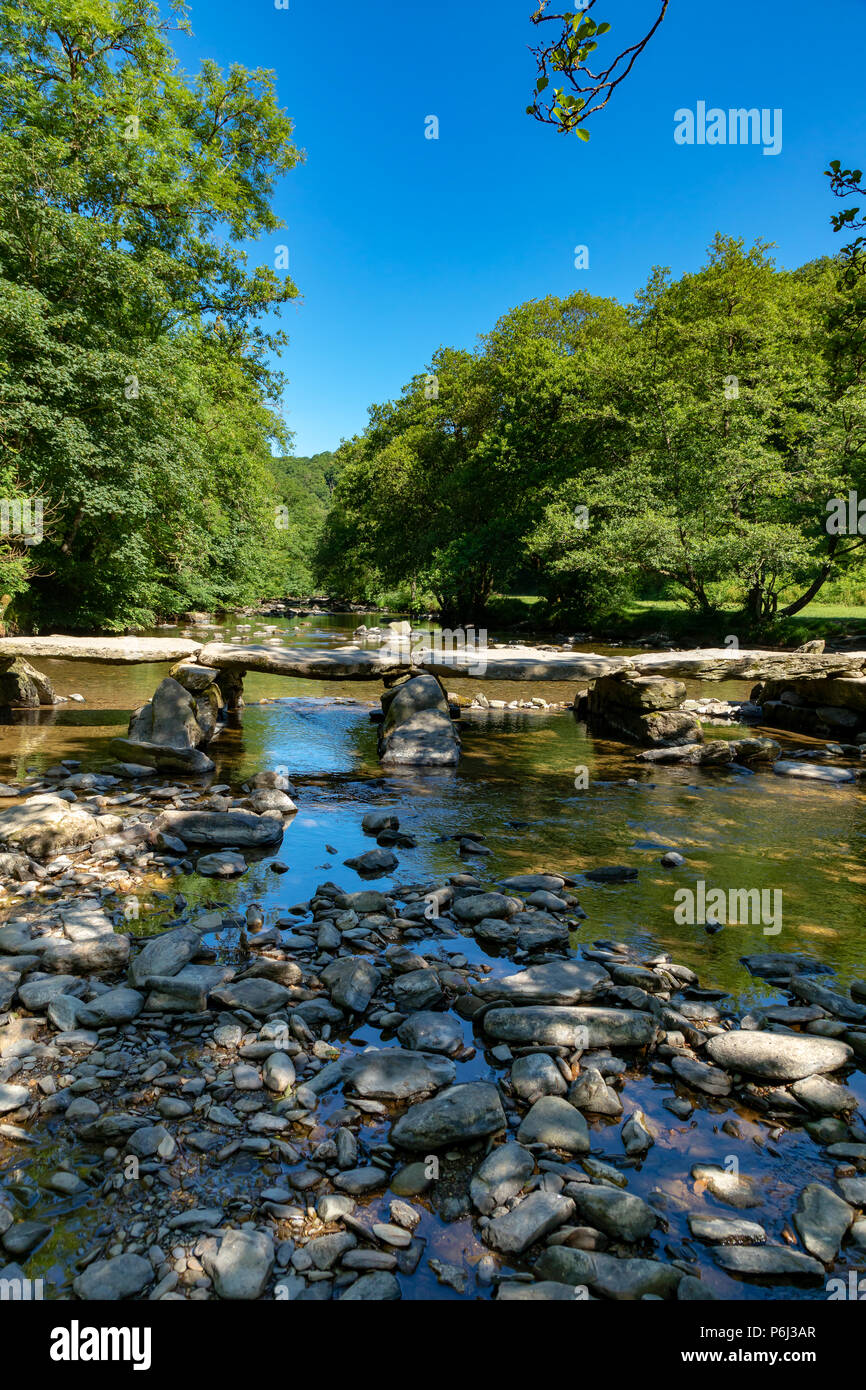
516,786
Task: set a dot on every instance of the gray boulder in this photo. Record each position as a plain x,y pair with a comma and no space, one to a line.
108,1281
777,1056
454,1116
241,1267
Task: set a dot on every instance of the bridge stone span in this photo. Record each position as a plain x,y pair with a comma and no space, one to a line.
109,651
494,663
530,663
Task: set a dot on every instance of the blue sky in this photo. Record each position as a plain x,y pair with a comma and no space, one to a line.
400,244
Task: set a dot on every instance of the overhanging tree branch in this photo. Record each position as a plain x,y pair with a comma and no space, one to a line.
567,57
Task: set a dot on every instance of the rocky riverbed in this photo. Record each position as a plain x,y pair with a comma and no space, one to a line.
452,1087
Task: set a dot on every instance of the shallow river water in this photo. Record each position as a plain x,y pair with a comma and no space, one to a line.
515,785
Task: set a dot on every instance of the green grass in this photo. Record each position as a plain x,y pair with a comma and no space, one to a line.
826,620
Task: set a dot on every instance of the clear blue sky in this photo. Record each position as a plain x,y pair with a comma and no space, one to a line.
400,244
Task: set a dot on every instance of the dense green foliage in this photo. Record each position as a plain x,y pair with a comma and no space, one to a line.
134,395
304,488
685,446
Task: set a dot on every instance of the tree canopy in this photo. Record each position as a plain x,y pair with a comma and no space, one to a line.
135,396
687,443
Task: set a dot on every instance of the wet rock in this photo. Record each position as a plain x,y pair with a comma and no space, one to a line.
361,1180
500,1177
36,995
854,1191
557,982
620,1215
150,1141
417,729
396,1074
636,1135
456,1115
822,1220
734,1189
591,1092
114,1279
527,1222
829,999
228,863
417,990
374,822
611,873
719,1230
479,905
24,1236
570,1027
813,772
185,992
325,1251
536,1075
542,1291
278,1072
767,1261
242,1265
102,955
711,1080
497,930
165,955
529,883
606,1276
193,761
352,982
242,829
116,1006
381,1287
777,1056
554,1122
824,1097
272,800
44,826
22,686
373,863
258,997
431,1032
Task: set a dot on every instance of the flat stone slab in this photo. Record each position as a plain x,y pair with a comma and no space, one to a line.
115,651
549,1025
357,663
557,982
530,663
813,772
768,1261
242,828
